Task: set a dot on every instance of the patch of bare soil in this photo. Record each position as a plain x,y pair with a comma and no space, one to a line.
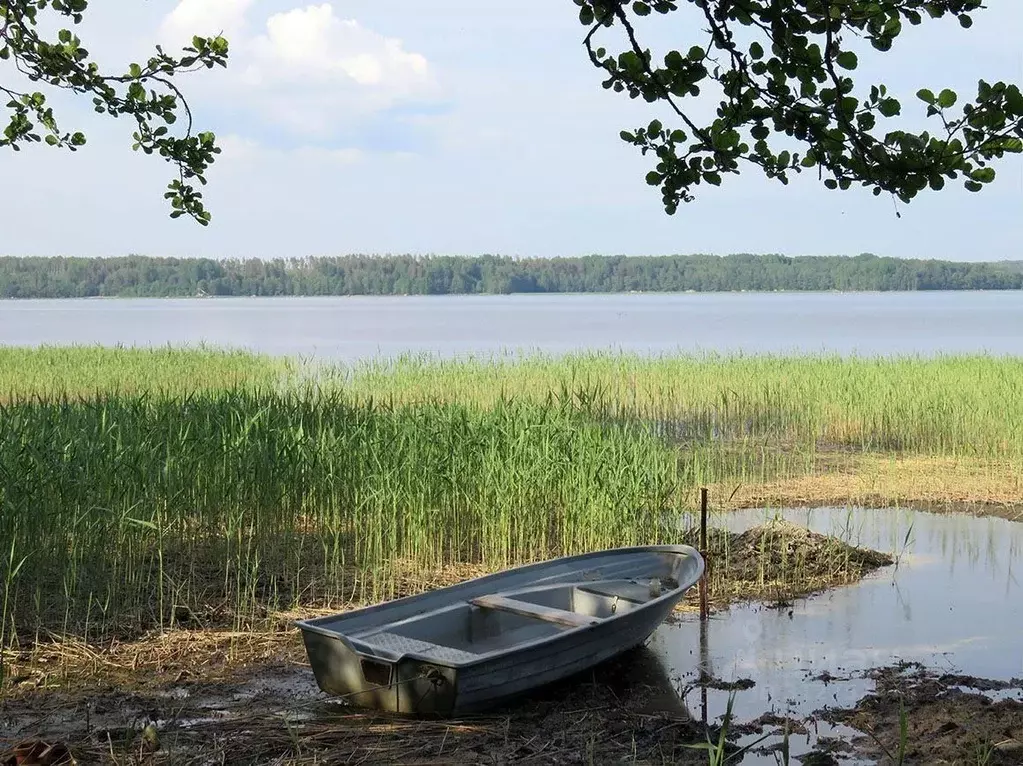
949,719
624,711
937,484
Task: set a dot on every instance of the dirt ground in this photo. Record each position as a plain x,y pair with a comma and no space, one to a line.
949,719
273,713
209,696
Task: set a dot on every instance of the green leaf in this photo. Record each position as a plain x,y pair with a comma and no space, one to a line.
640,8
946,98
1014,100
965,21
847,60
756,50
926,96
865,121
654,127
674,60
889,107
983,175
653,178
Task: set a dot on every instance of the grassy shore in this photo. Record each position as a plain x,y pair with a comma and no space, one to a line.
155,488
165,514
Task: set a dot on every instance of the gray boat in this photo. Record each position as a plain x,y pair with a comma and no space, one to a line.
471,646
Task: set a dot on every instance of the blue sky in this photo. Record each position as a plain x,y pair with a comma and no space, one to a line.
471,127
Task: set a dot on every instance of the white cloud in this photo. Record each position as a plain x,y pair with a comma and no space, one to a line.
306,69
205,18
314,43
313,70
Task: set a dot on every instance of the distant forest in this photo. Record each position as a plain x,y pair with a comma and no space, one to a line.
138,276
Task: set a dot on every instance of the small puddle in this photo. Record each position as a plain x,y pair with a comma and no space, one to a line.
953,602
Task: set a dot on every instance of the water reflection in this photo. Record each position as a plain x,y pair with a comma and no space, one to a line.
951,602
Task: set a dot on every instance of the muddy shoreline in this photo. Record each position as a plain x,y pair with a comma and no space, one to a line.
949,718
216,696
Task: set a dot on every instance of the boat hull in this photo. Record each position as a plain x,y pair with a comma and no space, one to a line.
461,649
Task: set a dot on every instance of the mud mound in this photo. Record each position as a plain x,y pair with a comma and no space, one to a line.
780,561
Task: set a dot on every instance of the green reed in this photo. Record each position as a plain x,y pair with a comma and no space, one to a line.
132,511
969,405
87,371
147,487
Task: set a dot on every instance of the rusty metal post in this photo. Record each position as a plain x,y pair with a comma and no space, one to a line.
704,610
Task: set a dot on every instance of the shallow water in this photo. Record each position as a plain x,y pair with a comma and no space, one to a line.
953,601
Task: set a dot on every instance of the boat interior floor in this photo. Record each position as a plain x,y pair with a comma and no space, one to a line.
467,630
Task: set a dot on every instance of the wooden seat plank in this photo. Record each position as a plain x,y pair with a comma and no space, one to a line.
527,609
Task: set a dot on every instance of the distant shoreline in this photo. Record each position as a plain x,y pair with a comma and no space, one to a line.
404,275
363,296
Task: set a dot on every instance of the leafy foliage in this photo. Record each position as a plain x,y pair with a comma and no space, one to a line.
144,92
791,80
135,276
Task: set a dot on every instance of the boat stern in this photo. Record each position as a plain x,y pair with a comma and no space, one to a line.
402,685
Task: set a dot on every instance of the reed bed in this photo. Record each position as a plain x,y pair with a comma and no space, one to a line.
128,511
90,371
966,405
143,488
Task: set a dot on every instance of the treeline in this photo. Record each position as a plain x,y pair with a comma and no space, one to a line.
141,276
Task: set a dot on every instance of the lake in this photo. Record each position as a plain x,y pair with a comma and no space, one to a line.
353,328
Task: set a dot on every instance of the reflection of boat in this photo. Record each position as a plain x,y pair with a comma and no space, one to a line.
470,646
642,676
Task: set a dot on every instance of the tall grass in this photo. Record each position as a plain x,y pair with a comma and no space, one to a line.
947,405
131,510
146,487
88,371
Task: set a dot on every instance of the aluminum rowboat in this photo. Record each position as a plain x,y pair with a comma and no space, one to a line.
471,646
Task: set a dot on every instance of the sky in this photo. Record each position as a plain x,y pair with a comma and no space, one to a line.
464,127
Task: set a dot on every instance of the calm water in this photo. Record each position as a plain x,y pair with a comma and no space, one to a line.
347,329
954,602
